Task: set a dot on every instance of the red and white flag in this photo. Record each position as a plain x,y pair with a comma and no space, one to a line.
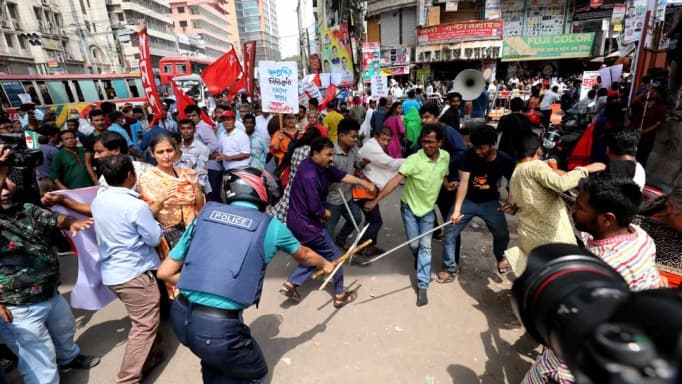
147,74
249,50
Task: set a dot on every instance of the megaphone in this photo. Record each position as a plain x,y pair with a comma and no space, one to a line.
469,83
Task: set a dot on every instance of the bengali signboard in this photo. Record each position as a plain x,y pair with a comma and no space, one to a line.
279,86
523,48
463,31
379,86
371,62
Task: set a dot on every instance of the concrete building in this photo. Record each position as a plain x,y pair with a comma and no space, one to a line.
155,15
213,21
257,20
36,38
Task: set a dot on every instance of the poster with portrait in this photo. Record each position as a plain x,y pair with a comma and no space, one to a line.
371,63
335,50
634,20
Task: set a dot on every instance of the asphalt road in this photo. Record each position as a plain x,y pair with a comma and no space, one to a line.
467,333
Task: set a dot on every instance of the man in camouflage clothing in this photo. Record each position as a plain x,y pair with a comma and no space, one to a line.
36,322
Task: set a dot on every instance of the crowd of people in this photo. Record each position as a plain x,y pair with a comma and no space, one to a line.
172,190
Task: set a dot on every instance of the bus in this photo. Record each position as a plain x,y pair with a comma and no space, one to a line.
174,66
67,91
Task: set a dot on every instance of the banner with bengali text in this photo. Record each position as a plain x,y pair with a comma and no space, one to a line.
279,86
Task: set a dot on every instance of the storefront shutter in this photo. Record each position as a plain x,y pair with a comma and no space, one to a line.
390,29
409,26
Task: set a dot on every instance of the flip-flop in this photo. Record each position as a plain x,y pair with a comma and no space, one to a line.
348,297
441,278
289,290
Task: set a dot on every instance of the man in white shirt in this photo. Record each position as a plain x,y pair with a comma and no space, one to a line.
514,82
262,121
194,153
550,97
366,127
206,135
380,168
235,146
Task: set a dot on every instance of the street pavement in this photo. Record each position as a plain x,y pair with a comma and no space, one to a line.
467,333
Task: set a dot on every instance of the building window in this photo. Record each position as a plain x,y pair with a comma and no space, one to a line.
183,23
181,9
22,42
82,6
8,39
121,18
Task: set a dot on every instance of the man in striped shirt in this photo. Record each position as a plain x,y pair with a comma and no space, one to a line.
603,211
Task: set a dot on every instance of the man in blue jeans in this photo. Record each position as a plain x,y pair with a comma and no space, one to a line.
424,172
480,170
36,322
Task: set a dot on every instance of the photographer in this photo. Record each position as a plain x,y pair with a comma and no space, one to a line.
603,211
37,323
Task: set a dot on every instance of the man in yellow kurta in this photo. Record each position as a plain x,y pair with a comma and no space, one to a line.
534,191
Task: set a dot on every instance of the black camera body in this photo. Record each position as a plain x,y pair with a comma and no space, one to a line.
20,156
583,310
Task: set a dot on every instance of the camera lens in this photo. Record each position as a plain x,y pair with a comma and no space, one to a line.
564,292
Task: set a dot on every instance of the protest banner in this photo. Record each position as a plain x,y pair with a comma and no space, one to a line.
279,86
88,293
379,86
589,81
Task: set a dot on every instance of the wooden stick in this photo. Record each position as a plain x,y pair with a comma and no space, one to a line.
407,242
343,258
340,263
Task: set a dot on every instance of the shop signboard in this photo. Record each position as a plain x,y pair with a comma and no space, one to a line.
463,31
618,17
601,11
396,71
526,48
395,56
467,50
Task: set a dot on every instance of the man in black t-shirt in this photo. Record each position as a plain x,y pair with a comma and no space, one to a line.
480,170
514,128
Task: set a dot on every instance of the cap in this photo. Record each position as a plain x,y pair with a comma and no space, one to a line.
227,115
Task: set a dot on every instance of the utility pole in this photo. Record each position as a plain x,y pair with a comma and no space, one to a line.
301,36
84,47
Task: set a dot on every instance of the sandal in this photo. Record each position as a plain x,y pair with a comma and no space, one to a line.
348,297
445,277
289,290
503,267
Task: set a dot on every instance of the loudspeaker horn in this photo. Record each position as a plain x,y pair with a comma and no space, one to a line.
469,83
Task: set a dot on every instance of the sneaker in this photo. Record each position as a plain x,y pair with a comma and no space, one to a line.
422,298
81,362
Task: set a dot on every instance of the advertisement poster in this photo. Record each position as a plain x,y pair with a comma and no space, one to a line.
395,56
618,17
336,50
379,86
634,20
573,45
279,86
371,63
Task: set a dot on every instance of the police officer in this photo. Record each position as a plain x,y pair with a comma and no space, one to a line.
217,282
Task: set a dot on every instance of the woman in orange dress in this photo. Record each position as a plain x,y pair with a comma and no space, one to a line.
279,144
173,193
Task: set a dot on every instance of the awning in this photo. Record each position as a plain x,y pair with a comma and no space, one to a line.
567,46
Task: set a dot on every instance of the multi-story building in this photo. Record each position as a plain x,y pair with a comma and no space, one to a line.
36,38
257,20
213,21
155,15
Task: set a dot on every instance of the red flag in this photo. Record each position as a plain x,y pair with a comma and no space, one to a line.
316,80
329,96
240,84
249,50
147,74
222,73
182,101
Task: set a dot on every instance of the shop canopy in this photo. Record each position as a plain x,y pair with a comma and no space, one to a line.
567,46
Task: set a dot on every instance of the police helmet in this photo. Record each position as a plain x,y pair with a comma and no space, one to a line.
246,184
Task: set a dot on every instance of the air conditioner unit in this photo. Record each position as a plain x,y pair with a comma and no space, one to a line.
17,25
4,23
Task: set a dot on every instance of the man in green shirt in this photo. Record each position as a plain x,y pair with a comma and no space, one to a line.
71,167
424,172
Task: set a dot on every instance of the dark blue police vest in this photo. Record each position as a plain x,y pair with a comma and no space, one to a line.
226,255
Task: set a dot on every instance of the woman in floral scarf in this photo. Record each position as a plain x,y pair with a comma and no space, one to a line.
173,193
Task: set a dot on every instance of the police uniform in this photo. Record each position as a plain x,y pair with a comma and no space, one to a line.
225,252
